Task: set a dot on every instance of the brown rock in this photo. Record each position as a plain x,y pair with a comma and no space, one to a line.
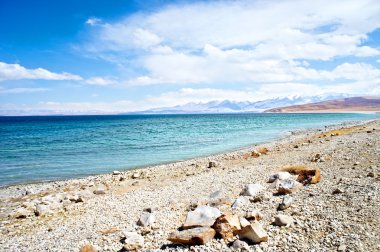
254,233
194,236
255,154
88,248
253,215
227,226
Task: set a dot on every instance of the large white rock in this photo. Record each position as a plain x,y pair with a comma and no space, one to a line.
203,216
279,176
288,186
252,189
240,201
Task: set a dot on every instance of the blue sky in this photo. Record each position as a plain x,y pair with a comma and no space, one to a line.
84,57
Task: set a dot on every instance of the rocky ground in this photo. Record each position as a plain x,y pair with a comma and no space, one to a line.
224,201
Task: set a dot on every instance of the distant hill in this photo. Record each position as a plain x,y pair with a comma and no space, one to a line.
227,106
364,103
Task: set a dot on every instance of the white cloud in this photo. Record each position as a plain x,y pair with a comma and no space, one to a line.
93,21
21,90
18,72
239,41
100,81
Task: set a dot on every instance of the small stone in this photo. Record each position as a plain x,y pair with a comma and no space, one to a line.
254,233
279,175
283,220
252,189
88,248
371,174
203,216
338,191
240,245
212,164
121,179
136,175
41,210
255,154
133,241
194,236
227,226
262,196
356,163
342,248
240,201
99,191
116,173
253,215
286,202
146,219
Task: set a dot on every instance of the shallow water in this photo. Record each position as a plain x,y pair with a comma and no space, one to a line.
60,147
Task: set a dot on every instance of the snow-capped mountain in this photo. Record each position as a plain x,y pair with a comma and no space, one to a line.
227,106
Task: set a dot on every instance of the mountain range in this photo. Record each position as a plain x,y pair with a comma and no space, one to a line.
228,106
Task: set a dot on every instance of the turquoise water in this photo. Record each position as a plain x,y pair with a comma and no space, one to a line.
60,147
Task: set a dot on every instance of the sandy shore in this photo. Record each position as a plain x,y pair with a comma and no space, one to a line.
65,215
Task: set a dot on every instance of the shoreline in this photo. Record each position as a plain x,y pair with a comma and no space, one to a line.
238,150
341,211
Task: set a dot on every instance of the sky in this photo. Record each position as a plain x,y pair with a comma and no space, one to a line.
90,57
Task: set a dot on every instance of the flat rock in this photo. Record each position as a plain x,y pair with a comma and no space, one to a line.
283,220
203,216
194,236
99,191
21,213
146,219
227,226
252,189
133,241
253,233
116,173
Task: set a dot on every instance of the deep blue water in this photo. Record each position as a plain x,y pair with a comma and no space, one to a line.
60,147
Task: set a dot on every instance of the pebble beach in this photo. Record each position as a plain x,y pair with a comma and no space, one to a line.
179,206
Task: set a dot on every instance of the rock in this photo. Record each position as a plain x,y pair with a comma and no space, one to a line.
279,175
263,196
240,201
136,175
21,213
116,173
286,202
227,226
244,222
371,174
203,216
212,164
99,191
41,210
337,191
133,241
309,176
252,189
88,248
218,198
317,158
342,248
240,245
194,236
253,215
255,154
263,151
288,186
146,219
253,233
76,198
283,220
